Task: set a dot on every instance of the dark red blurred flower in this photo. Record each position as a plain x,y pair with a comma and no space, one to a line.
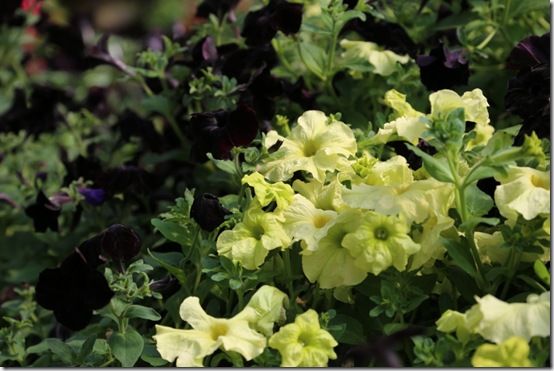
219,131
261,25
31,6
207,211
44,213
443,68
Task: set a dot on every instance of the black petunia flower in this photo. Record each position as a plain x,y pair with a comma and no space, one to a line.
44,213
119,242
389,35
74,289
261,25
219,131
208,212
443,68
216,7
528,94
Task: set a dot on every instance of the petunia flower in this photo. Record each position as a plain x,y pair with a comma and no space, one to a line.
44,213
119,242
322,196
278,192
524,191
261,26
321,265
384,62
207,211
491,249
93,196
216,7
219,131
265,308
513,352
249,242
238,334
304,343
74,289
443,68
316,145
497,321
304,222
528,94
380,242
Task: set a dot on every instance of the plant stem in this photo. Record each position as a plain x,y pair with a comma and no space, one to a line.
288,273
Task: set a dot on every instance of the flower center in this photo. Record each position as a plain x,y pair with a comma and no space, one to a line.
381,233
257,232
218,329
539,182
310,148
320,220
304,339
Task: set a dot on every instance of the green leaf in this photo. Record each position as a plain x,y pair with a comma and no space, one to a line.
478,202
172,231
140,311
437,168
234,284
176,271
462,282
314,57
226,166
348,331
61,350
157,104
151,356
461,256
482,172
542,272
87,347
126,347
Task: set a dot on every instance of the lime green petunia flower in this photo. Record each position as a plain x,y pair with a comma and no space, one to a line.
315,145
513,352
304,343
475,106
266,192
249,242
208,334
380,242
429,238
525,191
384,62
496,320
321,264
264,309
324,197
304,222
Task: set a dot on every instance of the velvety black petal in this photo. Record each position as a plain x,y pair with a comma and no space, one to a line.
242,127
73,314
88,168
96,292
261,25
49,290
242,63
216,7
208,212
90,251
389,35
443,69
126,179
530,52
299,93
120,242
44,214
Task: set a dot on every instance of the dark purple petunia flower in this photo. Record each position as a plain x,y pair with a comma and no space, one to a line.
94,196
219,131
119,242
299,93
208,212
443,68
528,94
73,290
261,25
215,7
44,213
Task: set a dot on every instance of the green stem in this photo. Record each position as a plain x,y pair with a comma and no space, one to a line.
288,273
513,261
